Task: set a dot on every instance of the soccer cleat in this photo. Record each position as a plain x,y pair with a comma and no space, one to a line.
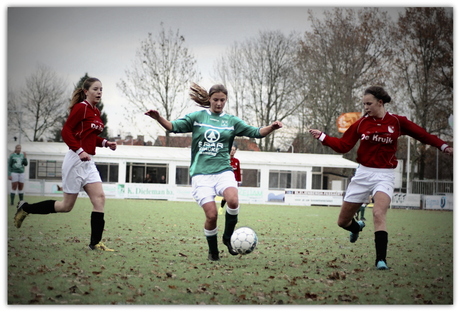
227,243
213,257
381,265
354,236
100,246
20,214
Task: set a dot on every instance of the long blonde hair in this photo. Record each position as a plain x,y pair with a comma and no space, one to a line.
201,96
79,94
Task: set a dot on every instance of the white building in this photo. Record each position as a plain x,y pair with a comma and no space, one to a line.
267,177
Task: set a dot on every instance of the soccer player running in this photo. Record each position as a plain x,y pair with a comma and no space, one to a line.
16,163
235,163
378,131
213,132
81,133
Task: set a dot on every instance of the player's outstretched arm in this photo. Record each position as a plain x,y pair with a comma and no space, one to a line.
162,121
315,133
269,129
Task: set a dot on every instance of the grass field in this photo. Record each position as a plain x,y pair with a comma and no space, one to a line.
302,258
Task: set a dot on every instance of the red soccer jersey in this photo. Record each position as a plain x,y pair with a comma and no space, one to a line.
235,163
379,139
82,128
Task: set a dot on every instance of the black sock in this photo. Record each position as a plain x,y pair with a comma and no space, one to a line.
381,243
353,227
97,227
212,243
43,207
222,203
230,223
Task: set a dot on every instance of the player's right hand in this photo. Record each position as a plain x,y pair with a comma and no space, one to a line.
153,114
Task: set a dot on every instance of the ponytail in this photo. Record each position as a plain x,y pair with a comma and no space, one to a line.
202,97
79,93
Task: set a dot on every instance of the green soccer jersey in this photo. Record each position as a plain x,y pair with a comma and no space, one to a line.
16,163
212,139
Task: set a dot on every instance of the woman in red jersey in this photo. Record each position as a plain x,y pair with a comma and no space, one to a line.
378,131
81,133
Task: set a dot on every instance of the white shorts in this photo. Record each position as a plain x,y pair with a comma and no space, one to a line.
76,173
18,177
206,187
367,181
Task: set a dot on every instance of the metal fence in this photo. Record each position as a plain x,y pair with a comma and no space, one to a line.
432,187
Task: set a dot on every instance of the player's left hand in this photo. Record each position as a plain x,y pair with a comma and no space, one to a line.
112,145
449,151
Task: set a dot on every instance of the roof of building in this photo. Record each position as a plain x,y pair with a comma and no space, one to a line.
134,153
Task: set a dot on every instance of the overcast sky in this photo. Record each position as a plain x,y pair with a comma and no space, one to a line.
102,41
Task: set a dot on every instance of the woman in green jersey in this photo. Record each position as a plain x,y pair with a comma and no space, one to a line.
213,132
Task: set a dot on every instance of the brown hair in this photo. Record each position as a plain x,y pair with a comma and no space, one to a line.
79,94
201,96
379,93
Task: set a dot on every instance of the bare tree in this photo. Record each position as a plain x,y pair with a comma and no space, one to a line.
424,59
259,72
344,53
40,104
232,72
161,73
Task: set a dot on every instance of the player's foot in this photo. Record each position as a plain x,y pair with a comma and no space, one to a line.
381,265
227,243
363,219
354,236
213,257
20,214
100,246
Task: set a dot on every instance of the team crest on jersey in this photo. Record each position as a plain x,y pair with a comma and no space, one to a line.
391,129
212,135
224,123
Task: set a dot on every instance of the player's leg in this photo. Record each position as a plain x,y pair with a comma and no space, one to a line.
347,221
44,207
21,180
97,197
14,187
381,204
210,229
231,217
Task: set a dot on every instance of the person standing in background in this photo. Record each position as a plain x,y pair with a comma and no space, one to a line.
235,163
16,163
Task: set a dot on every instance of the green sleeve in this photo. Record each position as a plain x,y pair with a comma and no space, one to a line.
243,129
184,124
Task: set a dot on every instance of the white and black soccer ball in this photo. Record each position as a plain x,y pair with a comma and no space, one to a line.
244,240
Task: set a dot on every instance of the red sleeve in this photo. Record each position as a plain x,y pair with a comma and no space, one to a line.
420,134
76,115
346,142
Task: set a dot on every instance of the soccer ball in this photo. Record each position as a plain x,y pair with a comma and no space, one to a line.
244,240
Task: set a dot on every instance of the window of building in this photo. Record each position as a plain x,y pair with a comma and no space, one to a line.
283,179
45,169
183,176
137,173
317,180
108,172
250,177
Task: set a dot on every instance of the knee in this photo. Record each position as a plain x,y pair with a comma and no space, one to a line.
211,215
98,202
66,207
